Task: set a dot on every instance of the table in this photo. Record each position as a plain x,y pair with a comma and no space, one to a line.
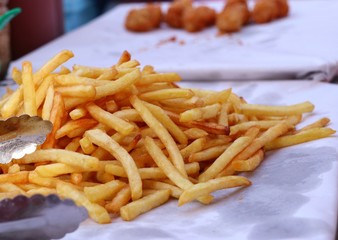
297,47
294,193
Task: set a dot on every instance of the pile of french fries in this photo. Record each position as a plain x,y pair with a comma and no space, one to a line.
126,139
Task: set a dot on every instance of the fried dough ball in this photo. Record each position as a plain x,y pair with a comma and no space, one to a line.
283,8
234,15
174,16
207,14
196,19
144,19
268,10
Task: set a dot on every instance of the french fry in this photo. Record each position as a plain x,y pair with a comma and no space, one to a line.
56,169
101,154
72,102
194,133
193,147
154,87
151,184
72,125
165,165
121,199
161,132
130,115
147,69
103,191
201,113
16,76
161,94
10,107
61,156
129,64
27,186
149,172
3,101
160,115
249,165
73,145
87,146
87,91
41,92
111,106
159,77
208,154
11,187
51,65
301,137
89,72
48,104
35,178
101,139
212,185
217,97
236,102
18,177
241,127
42,190
109,74
125,57
76,178
268,136
209,127
218,140
169,170
78,113
225,158
96,212
73,80
56,116
223,115
134,209
256,110
104,177
182,104
64,70
14,168
258,143
109,119
317,124
118,85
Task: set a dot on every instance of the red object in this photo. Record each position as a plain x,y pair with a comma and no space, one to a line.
40,22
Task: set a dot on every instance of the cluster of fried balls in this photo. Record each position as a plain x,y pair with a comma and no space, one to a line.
184,15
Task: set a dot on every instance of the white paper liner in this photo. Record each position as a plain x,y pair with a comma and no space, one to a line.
294,193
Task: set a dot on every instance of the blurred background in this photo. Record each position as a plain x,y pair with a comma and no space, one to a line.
44,20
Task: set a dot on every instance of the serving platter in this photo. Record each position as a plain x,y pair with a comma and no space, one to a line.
300,46
294,193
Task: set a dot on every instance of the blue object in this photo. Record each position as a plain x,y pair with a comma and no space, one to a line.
79,12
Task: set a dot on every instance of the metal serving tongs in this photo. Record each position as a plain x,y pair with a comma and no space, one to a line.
35,217
39,217
21,135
